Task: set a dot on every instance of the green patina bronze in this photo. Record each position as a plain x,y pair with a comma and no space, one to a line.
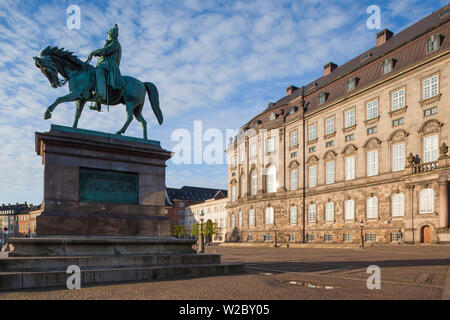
101,85
102,186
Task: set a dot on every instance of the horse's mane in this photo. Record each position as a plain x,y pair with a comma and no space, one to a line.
64,54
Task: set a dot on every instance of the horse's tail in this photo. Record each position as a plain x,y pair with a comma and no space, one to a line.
153,96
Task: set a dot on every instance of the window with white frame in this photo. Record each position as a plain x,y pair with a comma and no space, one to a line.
349,209
329,211
270,144
293,214
349,168
233,220
372,109
240,219
398,157
312,132
426,199
242,156
233,193
312,176
330,172
398,99
293,138
268,215
312,213
271,179
329,125
398,205
430,148
349,118
433,43
430,87
372,208
242,186
254,182
294,180
387,66
253,150
372,163
251,217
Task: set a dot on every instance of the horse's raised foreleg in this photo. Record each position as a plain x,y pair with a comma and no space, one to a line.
80,106
67,98
129,118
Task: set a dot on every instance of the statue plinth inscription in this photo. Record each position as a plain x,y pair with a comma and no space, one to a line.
101,184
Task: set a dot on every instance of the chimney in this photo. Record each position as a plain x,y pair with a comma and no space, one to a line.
290,89
329,68
383,36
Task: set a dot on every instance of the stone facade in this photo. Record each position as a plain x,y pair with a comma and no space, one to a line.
361,150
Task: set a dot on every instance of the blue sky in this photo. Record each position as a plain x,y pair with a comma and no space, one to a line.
219,61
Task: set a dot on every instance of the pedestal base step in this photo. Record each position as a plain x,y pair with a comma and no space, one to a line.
95,276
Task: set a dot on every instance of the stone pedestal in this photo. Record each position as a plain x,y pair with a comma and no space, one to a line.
98,184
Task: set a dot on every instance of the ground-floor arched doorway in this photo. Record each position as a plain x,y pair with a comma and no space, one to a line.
426,234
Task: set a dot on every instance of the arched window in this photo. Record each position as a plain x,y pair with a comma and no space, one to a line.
426,200
329,211
254,182
268,215
372,208
240,219
233,193
251,217
233,220
398,205
312,213
294,180
242,186
293,214
271,179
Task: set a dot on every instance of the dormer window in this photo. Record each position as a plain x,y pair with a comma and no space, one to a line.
291,110
256,123
445,12
272,116
322,97
433,43
351,83
388,65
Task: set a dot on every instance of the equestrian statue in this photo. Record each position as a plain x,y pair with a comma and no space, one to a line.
100,85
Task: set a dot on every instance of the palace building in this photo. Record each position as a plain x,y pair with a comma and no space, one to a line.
360,151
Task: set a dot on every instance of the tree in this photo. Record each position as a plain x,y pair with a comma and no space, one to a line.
209,229
178,231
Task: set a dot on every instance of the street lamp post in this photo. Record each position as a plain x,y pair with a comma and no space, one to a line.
202,243
275,228
361,224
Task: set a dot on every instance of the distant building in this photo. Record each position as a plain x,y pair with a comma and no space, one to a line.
214,211
19,219
178,202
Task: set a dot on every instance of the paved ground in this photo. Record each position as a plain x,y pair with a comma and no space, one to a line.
419,272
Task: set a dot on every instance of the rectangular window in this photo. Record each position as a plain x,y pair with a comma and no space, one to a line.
312,132
372,109
270,145
329,211
312,149
349,137
292,237
396,237
329,126
312,176
293,154
371,237
430,111
349,168
310,237
372,130
242,156
349,209
328,237
233,161
330,172
398,157
372,163
430,87
349,118
329,143
348,237
430,148
253,150
250,237
294,184
233,193
398,99
312,214
398,205
397,122
293,139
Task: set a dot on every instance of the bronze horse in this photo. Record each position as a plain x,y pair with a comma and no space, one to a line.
81,78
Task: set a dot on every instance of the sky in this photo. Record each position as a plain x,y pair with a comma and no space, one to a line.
216,61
